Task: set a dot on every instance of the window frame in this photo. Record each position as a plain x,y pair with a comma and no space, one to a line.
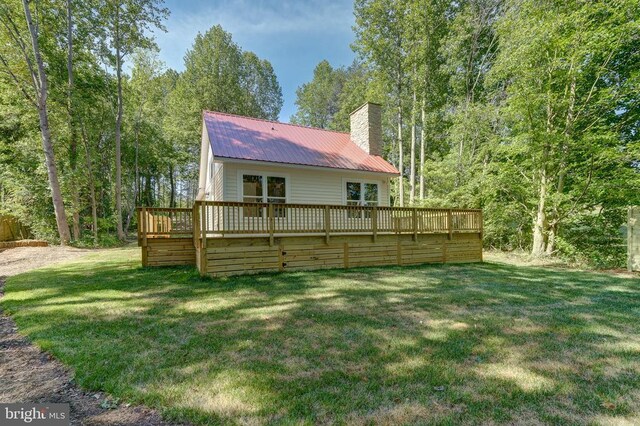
362,182
362,201
265,176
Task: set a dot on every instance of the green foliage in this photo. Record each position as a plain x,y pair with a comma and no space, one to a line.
218,76
317,101
526,109
596,238
162,109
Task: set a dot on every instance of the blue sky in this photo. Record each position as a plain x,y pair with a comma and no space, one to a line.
293,35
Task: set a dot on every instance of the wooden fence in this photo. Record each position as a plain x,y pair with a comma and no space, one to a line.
11,229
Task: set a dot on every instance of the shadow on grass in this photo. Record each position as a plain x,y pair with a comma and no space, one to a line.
437,344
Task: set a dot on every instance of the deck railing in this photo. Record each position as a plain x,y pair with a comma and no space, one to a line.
211,219
219,218
164,222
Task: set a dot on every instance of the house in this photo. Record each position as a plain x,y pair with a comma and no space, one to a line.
252,160
277,197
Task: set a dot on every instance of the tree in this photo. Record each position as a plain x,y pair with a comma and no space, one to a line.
562,92
380,39
358,88
128,24
218,76
260,86
527,109
25,67
318,100
428,26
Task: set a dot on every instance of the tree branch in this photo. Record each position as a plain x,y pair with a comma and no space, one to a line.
15,79
577,200
593,86
14,33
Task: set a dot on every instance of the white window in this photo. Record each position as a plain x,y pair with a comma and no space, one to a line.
361,194
254,190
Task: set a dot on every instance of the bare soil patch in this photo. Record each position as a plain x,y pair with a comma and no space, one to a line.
14,261
30,375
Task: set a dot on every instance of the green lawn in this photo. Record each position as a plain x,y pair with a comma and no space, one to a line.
483,343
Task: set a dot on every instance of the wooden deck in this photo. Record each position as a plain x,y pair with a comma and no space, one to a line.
228,238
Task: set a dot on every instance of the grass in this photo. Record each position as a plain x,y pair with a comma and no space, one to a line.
440,344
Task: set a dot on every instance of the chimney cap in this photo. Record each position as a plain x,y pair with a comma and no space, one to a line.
363,105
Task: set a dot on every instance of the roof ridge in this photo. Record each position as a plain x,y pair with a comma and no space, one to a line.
274,122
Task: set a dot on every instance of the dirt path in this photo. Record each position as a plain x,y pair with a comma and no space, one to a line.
30,375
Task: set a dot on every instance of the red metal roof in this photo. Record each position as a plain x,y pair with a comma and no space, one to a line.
245,138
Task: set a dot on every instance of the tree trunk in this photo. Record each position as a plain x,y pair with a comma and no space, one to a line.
551,239
120,231
130,213
148,191
172,184
76,210
400,159
73,145
136,190
92,185
460,164
412,178
47,143
540,223
568,131
399,75
422,149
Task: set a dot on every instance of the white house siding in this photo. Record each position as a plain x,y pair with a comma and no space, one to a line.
304,185
218,183
209,186
214,179
213,187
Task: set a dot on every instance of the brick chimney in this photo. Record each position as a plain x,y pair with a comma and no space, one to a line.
366,128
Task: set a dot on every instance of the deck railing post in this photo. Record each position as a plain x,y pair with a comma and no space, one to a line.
374,222
481,224
144,227
203,224
270,223
396,222
327,223
204,228
195,226
139,218
450,223
414,219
